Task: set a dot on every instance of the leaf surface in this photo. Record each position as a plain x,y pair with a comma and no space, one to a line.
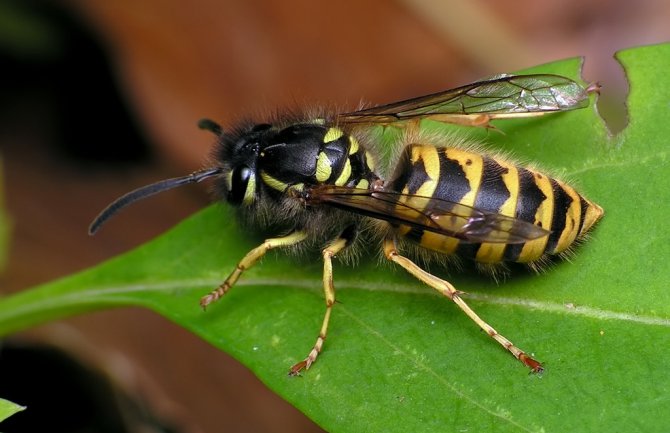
399,357
7,409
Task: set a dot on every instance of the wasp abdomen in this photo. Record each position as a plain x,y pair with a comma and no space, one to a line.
493,184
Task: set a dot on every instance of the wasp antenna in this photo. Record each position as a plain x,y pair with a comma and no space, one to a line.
211,126
147,191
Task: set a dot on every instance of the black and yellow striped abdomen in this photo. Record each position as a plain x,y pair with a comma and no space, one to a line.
493,184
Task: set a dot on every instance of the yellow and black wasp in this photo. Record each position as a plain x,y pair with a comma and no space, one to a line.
318,182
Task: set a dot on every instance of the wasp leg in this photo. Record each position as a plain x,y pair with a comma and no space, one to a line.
450,292
329,291
248,261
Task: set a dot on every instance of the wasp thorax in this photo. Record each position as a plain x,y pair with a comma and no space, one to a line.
275,162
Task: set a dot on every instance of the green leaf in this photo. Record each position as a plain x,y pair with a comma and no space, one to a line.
7,409
400,357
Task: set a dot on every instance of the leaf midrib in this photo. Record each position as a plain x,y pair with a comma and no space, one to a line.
111,292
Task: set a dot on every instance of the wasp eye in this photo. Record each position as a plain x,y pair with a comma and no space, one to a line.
242,187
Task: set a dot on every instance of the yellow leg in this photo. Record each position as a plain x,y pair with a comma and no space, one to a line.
450,292
248,261
329,292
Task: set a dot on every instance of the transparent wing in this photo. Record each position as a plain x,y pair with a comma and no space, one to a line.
498,96
428,213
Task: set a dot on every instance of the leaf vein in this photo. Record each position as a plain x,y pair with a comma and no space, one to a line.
552,307
501,414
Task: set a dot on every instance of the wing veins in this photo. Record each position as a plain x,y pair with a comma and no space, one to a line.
513,94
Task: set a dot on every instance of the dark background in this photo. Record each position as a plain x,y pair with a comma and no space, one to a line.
99,97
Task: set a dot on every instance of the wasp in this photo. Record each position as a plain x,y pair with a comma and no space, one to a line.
319,181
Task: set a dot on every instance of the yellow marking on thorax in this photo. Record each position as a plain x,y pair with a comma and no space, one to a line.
533,250
332,134
300,187
343,178
273,182
323,167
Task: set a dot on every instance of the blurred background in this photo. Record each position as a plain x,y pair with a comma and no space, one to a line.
99,97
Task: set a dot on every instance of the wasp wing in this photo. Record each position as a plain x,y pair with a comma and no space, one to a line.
498,96
448,218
